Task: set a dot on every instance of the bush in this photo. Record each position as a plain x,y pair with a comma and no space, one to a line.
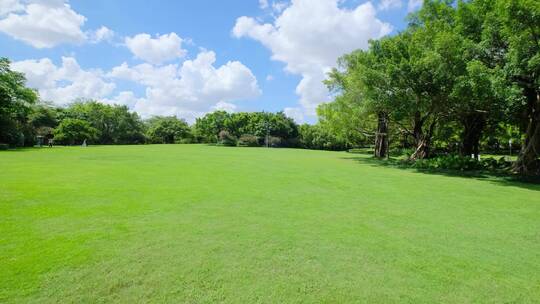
450,162
493,164
226,139
248,140
185,141
4,147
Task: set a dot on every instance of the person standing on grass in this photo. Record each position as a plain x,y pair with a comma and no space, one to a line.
50,142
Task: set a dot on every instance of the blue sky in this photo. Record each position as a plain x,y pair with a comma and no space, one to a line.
186,58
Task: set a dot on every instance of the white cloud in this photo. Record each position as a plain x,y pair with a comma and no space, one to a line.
297,114
191,89
279,6
224,106
187,90
101,34
309,36
8,6
275,6
263,4
389,4
125,98
413,5
63,84
156,50
42,24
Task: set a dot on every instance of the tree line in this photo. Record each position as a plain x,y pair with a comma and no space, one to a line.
27,121
461,77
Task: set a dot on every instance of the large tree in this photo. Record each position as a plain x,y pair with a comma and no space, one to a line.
116,124
72,131
15,105
520,20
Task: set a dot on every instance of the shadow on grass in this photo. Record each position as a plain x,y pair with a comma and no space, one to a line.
23,149
497,177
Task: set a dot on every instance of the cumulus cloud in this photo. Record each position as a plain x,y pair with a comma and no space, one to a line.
279,6
224,106
101,34
192,88
296,113
63,84
187,90
156,50
275,6
309,36
43,24
125,98
413,5
8,6
385,5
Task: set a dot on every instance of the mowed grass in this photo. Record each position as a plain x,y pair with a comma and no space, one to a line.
204,224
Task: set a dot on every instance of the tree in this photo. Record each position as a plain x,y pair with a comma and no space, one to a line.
259,124
208,127
74,131
115,123
167,130
15,102
520,20
363,100
476,104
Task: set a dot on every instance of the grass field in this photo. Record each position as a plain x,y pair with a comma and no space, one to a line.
204,224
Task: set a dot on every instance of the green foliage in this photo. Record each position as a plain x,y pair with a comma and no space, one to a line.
15,105
115,123
461,163
450,162
207,128
258,124
449,81
320,138
72,131
167,130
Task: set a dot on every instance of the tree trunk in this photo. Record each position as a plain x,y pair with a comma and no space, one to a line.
527,162
421,139
381,137
473,126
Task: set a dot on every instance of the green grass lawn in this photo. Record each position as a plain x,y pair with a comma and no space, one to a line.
204,224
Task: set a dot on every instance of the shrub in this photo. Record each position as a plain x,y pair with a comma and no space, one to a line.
187,140
4,147
449,162
493,164
226,139
248,140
